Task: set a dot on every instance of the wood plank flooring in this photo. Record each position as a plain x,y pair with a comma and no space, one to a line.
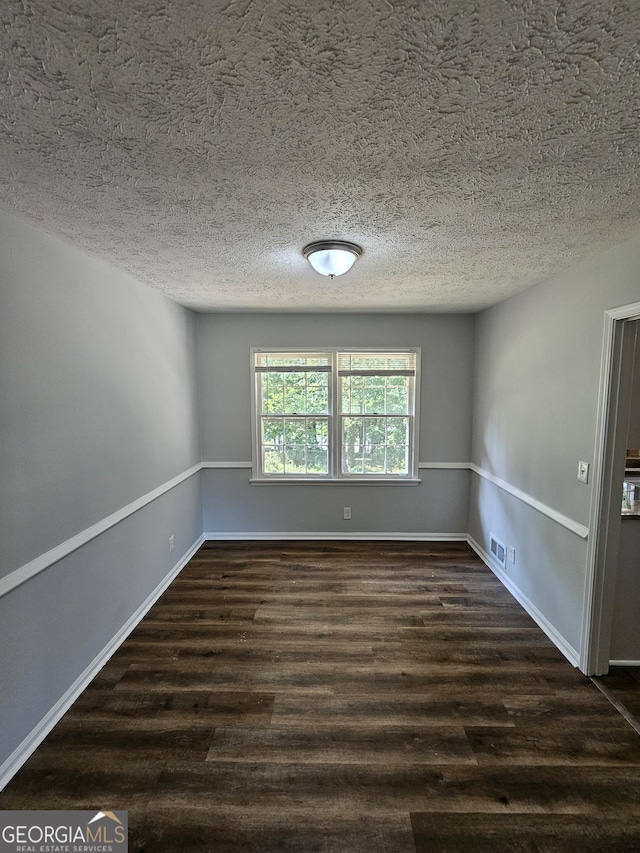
623,685
334,697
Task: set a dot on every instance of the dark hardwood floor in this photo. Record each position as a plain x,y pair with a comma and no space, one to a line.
329,697
622,683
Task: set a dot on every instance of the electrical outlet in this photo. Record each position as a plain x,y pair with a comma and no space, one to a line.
172,542
512,554
583,472
346,513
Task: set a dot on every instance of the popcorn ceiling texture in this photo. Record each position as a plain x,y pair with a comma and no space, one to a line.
472,147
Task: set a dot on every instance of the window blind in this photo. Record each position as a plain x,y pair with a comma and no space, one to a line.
377,364
274,362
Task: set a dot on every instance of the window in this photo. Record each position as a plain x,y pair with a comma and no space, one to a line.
335,414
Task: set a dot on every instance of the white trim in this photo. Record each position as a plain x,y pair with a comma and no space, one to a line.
593,593
33,740
29,570
334,414
344,481
574,526
337,535
444,465
556,638
226,464
466,466
624,663
594,633
624,312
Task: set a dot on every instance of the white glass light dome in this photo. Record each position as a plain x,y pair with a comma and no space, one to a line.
332,257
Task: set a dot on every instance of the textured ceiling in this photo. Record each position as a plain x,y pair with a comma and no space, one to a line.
472,147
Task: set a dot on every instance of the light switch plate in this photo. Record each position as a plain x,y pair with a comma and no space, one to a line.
583,472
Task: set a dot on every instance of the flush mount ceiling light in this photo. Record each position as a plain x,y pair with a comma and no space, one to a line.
332,257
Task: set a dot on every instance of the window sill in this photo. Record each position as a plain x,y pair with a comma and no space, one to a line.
351,481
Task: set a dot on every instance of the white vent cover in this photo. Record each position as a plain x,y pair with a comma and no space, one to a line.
498,550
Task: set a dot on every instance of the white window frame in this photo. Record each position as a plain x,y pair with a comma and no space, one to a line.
335,474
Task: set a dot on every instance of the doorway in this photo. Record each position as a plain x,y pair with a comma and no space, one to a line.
612,437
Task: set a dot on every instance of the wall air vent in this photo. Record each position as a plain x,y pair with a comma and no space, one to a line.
498,551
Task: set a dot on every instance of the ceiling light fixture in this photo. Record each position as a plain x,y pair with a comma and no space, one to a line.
332,257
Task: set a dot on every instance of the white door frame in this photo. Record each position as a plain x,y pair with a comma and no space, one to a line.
604,512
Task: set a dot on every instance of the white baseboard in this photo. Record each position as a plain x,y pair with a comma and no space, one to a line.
624,663
337,535
556,638
22,752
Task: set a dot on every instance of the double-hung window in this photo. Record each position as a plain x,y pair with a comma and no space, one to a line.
335,415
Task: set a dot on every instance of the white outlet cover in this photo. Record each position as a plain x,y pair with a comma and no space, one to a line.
583,472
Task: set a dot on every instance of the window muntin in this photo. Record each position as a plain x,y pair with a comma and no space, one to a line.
335,414
293,390
296,445
376,413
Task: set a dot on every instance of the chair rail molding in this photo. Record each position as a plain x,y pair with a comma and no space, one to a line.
564,520
39,564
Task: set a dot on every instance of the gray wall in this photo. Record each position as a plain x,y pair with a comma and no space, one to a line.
537,375
437,505
98,408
